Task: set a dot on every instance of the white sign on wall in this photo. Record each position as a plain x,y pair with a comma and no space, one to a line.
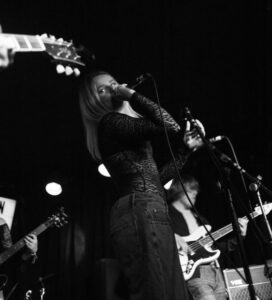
7,210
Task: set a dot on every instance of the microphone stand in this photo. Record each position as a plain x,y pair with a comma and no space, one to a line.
227,189
226,159
42,289
255,187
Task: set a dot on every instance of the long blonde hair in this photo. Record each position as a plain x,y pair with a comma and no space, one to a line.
92,110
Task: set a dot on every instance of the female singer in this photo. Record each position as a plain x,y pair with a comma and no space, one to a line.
121,128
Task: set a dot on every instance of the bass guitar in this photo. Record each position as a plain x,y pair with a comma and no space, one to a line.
200,243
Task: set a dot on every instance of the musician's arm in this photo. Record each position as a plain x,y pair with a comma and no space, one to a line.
31,242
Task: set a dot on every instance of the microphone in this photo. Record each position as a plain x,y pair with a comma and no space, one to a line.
139,80
216,138
253,187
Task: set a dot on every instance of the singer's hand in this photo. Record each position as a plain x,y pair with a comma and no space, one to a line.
122,93
191,137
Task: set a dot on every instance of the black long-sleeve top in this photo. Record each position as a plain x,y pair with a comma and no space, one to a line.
126,146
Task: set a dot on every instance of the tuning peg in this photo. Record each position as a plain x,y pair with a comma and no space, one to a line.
68,70
44,35
60,69
76,72
70,43
52,37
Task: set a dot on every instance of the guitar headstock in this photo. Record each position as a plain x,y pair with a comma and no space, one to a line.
64,54
266,207
59,218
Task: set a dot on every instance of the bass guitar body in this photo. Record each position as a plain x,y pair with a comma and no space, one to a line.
198,254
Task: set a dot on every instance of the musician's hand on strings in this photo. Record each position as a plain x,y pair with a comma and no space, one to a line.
191,136
243,222
181,244
31,242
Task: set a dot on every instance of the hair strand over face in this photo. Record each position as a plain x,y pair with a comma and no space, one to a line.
92,110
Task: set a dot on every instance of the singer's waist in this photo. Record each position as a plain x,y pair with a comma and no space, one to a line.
141,188
138,182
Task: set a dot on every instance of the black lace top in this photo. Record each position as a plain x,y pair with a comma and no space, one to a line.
128,150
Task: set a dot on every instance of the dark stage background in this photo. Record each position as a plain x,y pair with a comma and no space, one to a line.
213,56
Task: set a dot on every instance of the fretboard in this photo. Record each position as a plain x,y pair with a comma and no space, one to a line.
26,43
216,235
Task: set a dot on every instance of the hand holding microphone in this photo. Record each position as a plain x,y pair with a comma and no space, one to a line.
191,136
121,92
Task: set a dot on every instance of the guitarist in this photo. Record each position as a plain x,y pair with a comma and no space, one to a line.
207,281
29,255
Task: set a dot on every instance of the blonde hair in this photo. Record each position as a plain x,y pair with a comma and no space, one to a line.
92,110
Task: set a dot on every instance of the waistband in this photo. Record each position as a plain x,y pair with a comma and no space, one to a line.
132,199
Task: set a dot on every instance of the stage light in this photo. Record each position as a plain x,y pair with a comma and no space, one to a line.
168,184
103,170
53,188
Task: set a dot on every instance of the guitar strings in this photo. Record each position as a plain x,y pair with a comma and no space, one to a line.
197,244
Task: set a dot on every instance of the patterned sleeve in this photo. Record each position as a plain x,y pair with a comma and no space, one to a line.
153,112
164,160
129,129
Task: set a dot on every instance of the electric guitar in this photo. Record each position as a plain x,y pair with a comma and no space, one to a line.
63,53
57,219
200,243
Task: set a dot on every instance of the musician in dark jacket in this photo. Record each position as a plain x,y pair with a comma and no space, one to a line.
207,280
28,256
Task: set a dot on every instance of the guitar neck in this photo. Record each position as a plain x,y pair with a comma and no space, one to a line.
26,43
21,243
216,235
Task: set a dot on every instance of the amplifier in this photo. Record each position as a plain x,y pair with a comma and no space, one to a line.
238,289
